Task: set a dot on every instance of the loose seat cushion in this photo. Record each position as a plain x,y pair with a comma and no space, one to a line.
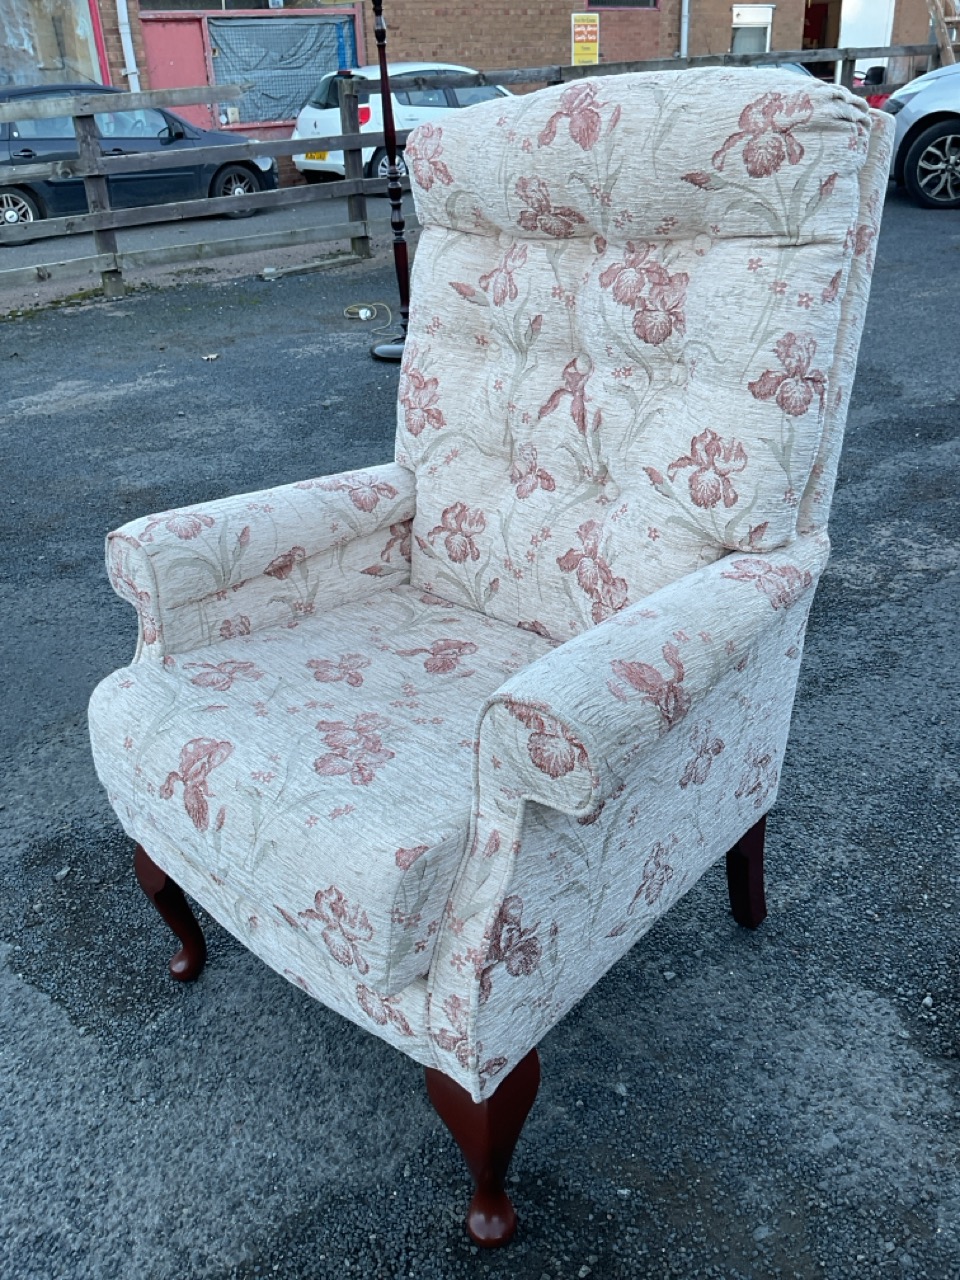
322,772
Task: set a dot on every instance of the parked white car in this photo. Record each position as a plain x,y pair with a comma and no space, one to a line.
926,149
411,106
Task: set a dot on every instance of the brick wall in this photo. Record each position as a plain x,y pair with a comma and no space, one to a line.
711,25
111,38
537,32
519,34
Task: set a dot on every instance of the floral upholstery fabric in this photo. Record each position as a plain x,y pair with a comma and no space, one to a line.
196,576
626,329
289,766
440,740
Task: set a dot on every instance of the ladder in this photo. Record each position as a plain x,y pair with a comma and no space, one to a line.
945,17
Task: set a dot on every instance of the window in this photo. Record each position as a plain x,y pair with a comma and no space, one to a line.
751,28
420,97
623,4
131,124
54,127
470,95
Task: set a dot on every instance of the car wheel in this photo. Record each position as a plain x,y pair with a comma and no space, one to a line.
932,168
235,180
379,165
16,207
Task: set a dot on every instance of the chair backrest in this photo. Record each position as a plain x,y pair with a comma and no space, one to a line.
637,302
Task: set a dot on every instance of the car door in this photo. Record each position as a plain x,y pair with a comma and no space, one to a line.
135,132
42,142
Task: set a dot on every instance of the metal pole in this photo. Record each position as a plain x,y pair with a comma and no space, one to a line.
392,348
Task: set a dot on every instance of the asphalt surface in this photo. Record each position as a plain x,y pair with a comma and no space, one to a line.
723,1104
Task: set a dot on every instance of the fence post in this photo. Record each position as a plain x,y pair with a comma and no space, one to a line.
353,161
847,68
98,199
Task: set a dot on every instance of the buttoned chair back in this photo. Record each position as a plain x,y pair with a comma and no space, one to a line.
636,312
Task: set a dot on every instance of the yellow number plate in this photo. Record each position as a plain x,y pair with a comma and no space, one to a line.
316,155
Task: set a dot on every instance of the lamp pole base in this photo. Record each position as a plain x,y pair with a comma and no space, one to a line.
390,349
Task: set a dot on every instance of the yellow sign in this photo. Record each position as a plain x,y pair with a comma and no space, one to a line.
585,31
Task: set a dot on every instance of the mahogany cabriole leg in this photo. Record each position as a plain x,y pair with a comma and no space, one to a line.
745,877
167,896
487,1132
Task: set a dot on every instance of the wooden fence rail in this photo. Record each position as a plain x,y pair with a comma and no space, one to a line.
95,168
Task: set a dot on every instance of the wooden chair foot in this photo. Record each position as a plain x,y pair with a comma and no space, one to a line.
487,1132
167,896
745,877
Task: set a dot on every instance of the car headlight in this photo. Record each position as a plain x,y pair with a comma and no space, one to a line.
894,105
266,163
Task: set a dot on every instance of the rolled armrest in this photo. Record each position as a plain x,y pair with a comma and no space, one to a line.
564,730
270,558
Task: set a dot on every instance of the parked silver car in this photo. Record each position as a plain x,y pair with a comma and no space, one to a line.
926,151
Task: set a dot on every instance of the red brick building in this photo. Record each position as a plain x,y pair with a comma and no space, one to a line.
184,42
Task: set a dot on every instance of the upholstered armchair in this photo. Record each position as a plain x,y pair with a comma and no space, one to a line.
440,740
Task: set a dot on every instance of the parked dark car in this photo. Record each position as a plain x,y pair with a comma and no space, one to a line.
31,142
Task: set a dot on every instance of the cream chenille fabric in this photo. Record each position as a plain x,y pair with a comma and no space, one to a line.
441,739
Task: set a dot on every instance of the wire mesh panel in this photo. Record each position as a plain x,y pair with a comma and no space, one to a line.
283,58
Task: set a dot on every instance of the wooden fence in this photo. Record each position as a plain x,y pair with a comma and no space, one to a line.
95,168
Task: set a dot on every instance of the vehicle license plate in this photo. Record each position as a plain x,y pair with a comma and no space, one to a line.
316,155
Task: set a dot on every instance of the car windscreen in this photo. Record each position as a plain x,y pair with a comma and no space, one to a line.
326,96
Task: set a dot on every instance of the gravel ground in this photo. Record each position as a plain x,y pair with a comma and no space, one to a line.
723,1104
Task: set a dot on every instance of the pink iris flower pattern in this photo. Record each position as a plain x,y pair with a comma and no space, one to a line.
561,222
500,282
125,587
627,280
459,527
401,538
713,461
782,584
198,758
759,779
423,152
657,874
356,751
795,387
281,566
517,948
349,669
455,1039
766,130
594,575
666,693
657,297
443,656
365,491
345,926
573,385
706,747
221,675
527,475
551,746
419,397
186,525
383,1009
238,625
581,110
